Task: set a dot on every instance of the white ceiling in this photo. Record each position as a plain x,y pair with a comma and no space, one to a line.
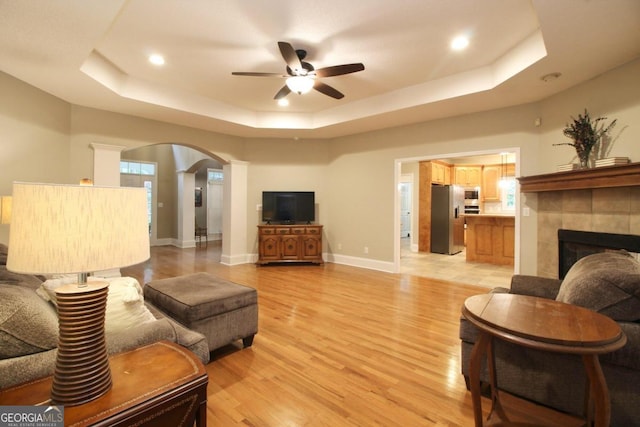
94,53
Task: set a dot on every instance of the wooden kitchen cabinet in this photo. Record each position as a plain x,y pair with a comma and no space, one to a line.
289,243
491,239
440,173
491,175
468,176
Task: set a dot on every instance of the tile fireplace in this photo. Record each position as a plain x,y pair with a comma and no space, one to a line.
573,245
599,200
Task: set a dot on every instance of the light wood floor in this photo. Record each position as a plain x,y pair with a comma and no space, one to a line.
339,346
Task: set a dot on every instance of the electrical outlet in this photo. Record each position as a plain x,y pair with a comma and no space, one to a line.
366,249
339,246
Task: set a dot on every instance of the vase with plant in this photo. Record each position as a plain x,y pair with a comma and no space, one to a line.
586,134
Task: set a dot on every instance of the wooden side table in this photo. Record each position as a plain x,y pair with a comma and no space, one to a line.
546,325
158,384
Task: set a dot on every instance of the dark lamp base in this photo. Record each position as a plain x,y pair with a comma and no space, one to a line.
82,371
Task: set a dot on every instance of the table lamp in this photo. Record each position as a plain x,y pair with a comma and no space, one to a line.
5,209
69,229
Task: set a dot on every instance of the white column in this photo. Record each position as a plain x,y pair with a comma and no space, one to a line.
186,210
106,164
234,213
106,172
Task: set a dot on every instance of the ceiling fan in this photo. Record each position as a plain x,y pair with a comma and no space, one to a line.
301,76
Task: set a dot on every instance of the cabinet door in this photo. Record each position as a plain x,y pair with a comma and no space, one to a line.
437,173
269,248
490,184
460,175
447,175
289,247
311,247
474,176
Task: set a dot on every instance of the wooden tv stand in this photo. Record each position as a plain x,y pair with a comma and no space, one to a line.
290,243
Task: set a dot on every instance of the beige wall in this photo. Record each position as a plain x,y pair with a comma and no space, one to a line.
615,94
285,165
34,137
367,162
89,125
353,176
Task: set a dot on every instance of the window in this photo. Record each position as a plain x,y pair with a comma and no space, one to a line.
139,174
508,198
137,168
215,175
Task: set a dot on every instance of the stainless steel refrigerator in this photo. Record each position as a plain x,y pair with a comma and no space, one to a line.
447,219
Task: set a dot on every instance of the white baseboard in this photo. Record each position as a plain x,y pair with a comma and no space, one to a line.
371,264
175,242
367,263
236,259
164,242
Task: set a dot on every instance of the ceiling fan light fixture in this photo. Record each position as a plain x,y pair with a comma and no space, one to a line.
300,84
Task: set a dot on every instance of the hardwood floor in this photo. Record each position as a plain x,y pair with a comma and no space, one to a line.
338,346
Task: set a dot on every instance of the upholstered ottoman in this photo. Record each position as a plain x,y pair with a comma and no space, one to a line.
222,311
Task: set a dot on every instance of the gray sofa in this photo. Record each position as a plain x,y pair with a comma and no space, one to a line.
608,283
28,330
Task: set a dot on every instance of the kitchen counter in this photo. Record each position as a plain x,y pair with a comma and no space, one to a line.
492,214
491,238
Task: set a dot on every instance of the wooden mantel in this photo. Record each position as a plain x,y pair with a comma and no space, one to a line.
604,177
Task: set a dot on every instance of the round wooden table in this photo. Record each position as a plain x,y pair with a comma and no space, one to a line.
547,325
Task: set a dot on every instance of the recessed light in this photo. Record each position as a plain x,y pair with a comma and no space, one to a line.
460,43
156,59
549,77
283,102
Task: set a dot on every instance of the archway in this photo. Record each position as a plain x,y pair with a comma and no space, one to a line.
175,203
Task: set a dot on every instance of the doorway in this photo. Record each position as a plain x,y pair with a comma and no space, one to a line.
408,260
142,174
406,205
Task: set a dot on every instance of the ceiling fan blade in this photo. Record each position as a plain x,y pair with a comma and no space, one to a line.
282,92
338,70
241,73
327,90
290,56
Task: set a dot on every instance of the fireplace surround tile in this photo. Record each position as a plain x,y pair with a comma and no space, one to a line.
550,201
577,201
611,223
634,224
548,259
548,223
605,210
634,196
576,221
612,200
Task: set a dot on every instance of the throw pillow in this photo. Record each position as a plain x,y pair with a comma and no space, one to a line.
27,324
11,278
125,303
606,282
4,250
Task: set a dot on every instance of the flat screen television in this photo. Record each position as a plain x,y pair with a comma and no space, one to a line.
288,207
